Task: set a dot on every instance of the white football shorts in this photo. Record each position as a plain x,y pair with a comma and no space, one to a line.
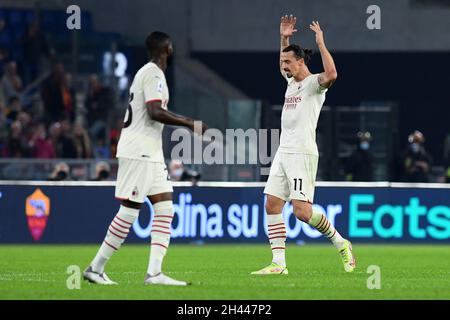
137,179
292,176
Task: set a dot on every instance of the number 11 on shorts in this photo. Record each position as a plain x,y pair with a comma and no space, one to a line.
299,184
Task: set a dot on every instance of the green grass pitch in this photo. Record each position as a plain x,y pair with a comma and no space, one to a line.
223,272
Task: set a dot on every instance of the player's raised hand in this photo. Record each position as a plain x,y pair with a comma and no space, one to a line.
287,25
315,26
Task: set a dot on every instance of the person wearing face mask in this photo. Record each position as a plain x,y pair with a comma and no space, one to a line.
178,172
416,160
359,166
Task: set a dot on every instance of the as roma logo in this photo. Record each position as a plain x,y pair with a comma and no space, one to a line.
37,209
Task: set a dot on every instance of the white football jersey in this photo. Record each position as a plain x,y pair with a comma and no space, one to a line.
141,137
302,104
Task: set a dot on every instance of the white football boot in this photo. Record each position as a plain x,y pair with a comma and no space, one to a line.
161,278
97,278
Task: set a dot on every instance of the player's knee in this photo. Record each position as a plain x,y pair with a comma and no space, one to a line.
128,214
165,205
273,207
302,213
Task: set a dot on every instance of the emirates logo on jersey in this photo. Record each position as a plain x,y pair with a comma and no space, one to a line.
291,102
295,99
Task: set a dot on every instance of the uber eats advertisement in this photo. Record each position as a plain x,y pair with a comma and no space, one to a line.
78,214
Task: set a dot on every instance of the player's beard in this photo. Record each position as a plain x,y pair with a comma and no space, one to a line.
288,73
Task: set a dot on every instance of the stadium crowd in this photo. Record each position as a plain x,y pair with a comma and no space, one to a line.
49,129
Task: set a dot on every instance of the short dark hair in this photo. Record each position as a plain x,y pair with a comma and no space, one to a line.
156,42
300,53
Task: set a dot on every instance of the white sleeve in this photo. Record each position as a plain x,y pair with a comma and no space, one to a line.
153,87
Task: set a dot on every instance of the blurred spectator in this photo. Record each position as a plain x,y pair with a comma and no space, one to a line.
25,119
35,49
416,160
61,172
98,101
2,94
82,142
102,171
114,135
113,147
12,109
63,141
3,121
447,158
16,144
3,130
5,38
4,56
54,132
27,125
178,172
359,166
57,95
5,43
41,147
69,97
100,149
11,82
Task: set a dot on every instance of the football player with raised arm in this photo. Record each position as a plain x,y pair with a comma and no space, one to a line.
293,172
